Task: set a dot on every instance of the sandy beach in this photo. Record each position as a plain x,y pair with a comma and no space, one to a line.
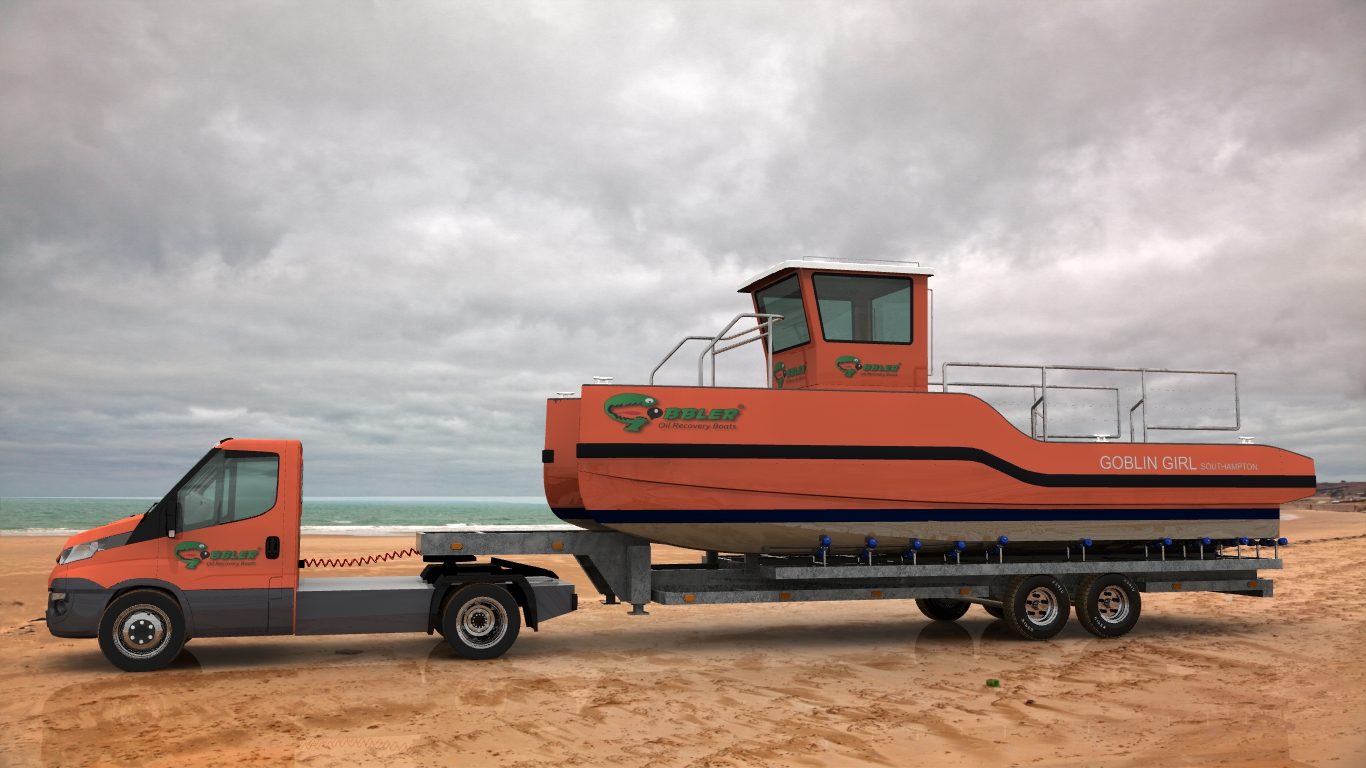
1204,680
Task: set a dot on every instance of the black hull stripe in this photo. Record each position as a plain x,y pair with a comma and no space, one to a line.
932,453
803,516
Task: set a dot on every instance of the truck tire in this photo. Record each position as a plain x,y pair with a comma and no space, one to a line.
1036,607
480,621
942,609
996,613
1108,605
142,631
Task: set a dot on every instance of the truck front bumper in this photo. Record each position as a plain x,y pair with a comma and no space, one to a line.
74,607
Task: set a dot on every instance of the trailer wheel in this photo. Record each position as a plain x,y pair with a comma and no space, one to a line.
942,609
1108,605
1036,607
996,613
480,621
142,631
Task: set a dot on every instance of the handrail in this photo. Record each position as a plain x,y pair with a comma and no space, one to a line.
1043,385
685,340
1033,409
762,329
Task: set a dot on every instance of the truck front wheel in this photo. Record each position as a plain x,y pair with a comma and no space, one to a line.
480,621
142,631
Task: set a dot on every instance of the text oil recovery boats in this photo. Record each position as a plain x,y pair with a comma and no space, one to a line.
848,449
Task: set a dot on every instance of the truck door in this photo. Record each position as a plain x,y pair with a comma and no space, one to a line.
226,552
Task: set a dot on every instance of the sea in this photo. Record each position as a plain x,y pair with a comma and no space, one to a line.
354,516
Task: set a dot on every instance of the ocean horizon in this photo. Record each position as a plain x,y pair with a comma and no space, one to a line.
335,515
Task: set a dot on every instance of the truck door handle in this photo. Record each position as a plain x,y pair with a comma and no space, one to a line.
272,547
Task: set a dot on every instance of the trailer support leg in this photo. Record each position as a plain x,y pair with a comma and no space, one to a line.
595,576
638,609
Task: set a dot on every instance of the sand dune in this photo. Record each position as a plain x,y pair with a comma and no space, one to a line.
1205,679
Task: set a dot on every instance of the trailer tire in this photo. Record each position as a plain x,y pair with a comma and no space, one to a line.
1036,607
996,613
942,609
480,621
1108,604
142,630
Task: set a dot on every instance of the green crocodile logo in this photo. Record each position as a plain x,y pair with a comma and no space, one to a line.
849,364
633,410
191,553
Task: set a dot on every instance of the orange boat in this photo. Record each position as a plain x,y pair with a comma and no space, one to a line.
847,449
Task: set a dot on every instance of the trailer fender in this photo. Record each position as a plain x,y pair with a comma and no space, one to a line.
515,584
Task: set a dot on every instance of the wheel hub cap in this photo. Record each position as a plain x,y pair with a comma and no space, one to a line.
1041,607
1112,605
482,622
143,631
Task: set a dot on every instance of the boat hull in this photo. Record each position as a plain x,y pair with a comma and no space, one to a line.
790,467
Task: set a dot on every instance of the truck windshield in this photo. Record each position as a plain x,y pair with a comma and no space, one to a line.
863,308
785,298
233,485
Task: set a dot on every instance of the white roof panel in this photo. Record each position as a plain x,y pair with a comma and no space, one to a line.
838,265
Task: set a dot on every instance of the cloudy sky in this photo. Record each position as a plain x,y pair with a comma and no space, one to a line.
391,230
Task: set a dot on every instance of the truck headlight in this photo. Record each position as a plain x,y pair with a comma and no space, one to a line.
79,552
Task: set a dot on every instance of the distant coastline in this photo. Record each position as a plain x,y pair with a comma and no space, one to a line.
335,515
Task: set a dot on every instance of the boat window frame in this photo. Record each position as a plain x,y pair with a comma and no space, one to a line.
910,280
806,316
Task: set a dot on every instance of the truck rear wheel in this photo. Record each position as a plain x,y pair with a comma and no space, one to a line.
1036,607
142,631
996,613
942,609
480,621
1108,605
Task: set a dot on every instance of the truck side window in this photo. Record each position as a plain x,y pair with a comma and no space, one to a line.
864,308
232,486
785,298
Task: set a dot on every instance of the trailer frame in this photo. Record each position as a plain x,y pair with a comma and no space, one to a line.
619,566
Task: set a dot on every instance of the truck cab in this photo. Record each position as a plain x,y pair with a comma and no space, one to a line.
218,556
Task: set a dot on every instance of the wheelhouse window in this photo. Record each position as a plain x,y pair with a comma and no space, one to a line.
232,486
785,298
863,308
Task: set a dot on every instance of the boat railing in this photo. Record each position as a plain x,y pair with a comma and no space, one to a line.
1038,412
762,329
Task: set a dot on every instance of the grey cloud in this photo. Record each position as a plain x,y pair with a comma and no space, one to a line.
391,229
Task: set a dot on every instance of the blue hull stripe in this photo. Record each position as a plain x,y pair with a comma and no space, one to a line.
628,516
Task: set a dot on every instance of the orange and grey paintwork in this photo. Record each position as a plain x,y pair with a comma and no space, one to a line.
220,575
858,457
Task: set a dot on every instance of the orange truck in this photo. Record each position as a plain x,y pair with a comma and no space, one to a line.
218,556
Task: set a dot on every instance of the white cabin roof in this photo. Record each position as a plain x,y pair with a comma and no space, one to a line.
839,265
